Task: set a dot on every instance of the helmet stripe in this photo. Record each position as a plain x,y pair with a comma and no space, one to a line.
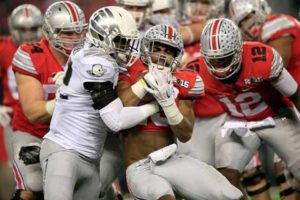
72,11
170,33
26,11
214,32
231,8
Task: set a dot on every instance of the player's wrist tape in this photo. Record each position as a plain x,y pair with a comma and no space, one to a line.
173,114
50,105
139,88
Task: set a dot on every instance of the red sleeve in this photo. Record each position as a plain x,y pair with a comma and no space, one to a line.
189,84
23,62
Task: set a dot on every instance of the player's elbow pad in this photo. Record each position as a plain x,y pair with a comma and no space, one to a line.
102,93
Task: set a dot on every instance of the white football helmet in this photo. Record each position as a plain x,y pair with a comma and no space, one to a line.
197,10
159,5
67,19
114,29
25,24
140,14
258,10
221,47
166,37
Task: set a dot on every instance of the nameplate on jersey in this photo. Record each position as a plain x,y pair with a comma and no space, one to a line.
97,70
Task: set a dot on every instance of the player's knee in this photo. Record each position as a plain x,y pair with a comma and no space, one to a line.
284,187
255,182
33,181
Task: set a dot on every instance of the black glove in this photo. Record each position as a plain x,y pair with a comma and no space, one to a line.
30,154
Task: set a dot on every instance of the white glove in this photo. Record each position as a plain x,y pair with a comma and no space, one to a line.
59,78
160,85
4,115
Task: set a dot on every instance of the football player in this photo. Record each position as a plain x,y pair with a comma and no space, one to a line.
35,64
25,24
256,22
251,83
88,108
149,149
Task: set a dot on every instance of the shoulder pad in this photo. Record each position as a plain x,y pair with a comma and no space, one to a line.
194,65
189,84
22,60
272,26
277,65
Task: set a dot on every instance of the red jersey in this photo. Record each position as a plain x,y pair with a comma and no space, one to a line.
193,49
188,83
7,51
35,60
3,154
278,26
206,106
251,97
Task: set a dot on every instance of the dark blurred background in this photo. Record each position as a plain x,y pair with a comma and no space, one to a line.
291,7
6,6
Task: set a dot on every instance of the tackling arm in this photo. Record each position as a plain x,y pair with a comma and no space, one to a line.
184,129
112,110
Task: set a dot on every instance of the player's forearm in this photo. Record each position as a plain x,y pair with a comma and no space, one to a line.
117,117
183,131
36,112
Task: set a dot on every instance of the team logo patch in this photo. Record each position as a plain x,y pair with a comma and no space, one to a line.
97,70
249,81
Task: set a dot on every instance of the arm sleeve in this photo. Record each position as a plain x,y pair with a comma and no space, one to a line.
118,117
285,84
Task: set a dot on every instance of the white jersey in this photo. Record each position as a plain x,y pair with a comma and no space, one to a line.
75,123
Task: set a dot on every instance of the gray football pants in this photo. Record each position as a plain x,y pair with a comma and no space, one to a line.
68,175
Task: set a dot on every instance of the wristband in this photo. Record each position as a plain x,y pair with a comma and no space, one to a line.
139,88
173,114
50,105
